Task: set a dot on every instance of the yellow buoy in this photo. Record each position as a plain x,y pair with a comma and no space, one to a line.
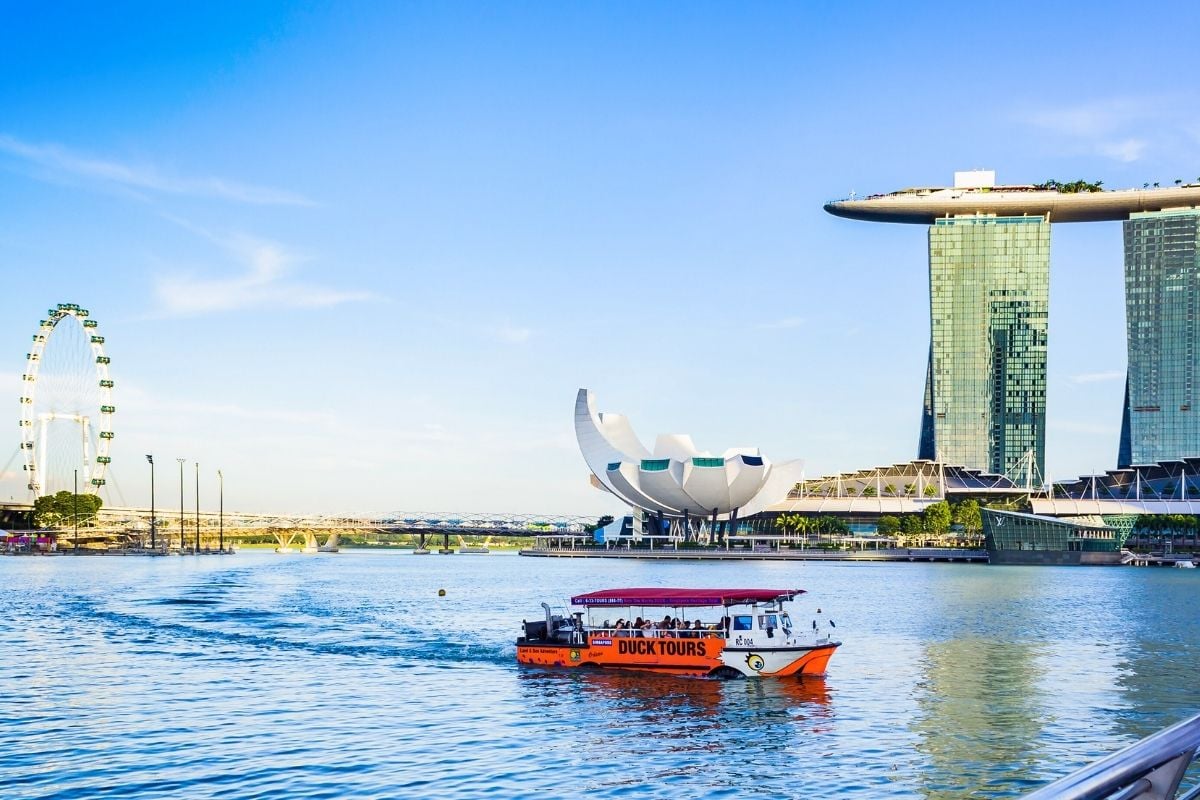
441,592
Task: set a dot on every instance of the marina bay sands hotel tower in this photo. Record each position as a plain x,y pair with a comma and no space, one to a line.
989,277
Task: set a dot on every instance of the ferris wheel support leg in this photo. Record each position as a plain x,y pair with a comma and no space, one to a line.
42,453
86,428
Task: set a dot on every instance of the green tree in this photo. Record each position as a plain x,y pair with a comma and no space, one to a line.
832,525
598,524
911,528
60,510
968,515
930,490
889,490
888,525
936,517
868,491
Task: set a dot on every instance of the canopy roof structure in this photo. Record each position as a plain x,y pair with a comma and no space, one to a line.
679,598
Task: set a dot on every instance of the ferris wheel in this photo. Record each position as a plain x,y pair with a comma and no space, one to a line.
66,404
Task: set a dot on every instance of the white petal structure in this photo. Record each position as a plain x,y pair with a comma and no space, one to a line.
677,478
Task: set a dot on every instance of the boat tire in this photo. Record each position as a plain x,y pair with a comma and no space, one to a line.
725,674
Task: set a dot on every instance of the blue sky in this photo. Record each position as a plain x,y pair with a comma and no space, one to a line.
360,256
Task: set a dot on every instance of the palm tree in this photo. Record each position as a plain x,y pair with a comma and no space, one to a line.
889,490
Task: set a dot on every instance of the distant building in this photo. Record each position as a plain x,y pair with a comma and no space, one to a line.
679,487
861,497
1015,538
1161,419
985,394
989,258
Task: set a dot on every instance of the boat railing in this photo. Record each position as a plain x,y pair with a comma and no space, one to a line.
1151,769
708,631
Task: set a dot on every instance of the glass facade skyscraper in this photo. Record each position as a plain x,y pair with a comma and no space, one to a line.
1162,302
985,394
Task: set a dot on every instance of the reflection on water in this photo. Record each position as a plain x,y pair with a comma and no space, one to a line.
979,711
349,676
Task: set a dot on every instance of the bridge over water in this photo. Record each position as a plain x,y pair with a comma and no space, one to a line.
201,529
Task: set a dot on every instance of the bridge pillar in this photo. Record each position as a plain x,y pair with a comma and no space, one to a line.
284,538
331,543
310,541
446,549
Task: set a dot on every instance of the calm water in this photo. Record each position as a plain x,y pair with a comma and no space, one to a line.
345,675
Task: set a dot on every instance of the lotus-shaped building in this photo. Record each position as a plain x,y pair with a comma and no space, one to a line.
676,479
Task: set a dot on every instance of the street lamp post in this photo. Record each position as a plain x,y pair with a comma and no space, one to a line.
197,548
181,462
153,542
221,512
75,511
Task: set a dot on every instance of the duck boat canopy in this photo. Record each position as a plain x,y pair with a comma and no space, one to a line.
723,633
683,598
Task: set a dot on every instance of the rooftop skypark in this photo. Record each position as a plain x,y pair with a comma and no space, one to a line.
976,193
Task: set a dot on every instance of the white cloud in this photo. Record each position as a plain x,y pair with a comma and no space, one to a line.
262,283
1098,377
781,324
1127,150
1124,129
60,161
1093,119
513,334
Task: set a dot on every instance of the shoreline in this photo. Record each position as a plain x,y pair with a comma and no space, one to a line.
922,554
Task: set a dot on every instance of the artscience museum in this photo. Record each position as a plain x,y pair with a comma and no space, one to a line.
683,489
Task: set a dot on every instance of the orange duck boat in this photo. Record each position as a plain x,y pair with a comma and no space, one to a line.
721,633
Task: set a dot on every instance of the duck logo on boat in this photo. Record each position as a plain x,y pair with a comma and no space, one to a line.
755,662
574,655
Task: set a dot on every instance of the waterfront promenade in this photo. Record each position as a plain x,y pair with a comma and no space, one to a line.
945,554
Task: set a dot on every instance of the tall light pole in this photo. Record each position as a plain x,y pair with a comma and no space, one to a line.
221,513
196,551
153,542
75,511
181,460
